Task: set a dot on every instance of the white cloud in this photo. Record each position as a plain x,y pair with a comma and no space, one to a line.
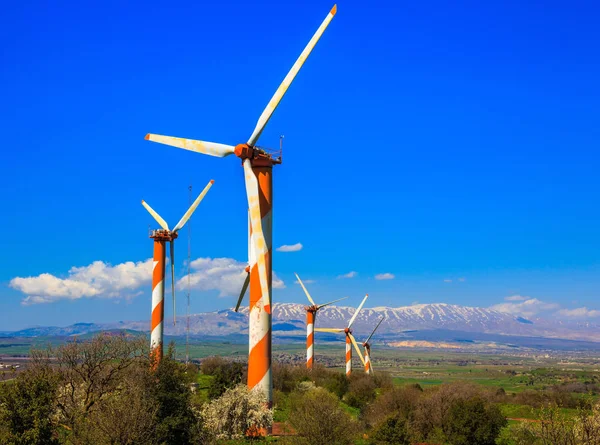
225,275
527,308
291,248
515,298
350,274
447,280
384,276
99,279
580,312
462,279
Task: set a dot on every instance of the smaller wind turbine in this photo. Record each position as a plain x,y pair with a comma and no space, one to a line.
311,315
350,340
367,347
160,237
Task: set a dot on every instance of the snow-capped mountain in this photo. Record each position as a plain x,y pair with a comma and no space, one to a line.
289,320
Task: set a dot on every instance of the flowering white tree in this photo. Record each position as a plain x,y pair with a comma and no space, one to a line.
237,412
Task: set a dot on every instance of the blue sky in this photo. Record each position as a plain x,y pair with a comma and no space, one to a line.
430,141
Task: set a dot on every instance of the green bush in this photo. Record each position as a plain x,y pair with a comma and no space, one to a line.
393,431
472,422
319,420
226,376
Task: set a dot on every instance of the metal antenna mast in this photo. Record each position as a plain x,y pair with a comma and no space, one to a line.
189,259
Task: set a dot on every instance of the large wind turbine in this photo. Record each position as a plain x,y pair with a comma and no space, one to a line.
367,347
160,237
350,340
258,167
311,315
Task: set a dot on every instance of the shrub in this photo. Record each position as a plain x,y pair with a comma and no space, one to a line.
336,383
237,412
170,390
226,376
361,391
210,364
392,430
472,422
398,401
27,407
319,420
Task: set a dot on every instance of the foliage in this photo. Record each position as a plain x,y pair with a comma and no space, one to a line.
238,411
226,375
27,406
169,388
361,390
473,422
318,418
392,430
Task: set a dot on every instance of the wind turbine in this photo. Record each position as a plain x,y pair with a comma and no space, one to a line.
311,315
349,339
160,237
258,167
367,347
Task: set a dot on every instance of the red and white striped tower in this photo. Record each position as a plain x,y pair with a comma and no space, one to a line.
350,340
367,358
348,351
311,313
259,317
367,346
160,237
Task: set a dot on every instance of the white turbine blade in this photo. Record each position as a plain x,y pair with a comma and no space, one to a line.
260,245
356,348
328,330
243,292
192,208
268,111
207,148
156,216
367,341
305,291
358,310
172,246
331,302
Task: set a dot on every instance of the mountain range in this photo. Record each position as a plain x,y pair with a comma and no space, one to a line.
399,324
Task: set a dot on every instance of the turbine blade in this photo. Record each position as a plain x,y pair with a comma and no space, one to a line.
357,348
367,341
193,207
268,111
260,245
358,310
331,302
156,216
243,292
207,148
328,330
305,291
172,246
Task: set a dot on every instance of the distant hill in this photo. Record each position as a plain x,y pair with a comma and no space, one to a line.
399,324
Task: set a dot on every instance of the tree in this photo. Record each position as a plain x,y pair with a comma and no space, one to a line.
393,431
169,388
238,411
472,422
90,371
361,391
226,376
27,405
319,420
